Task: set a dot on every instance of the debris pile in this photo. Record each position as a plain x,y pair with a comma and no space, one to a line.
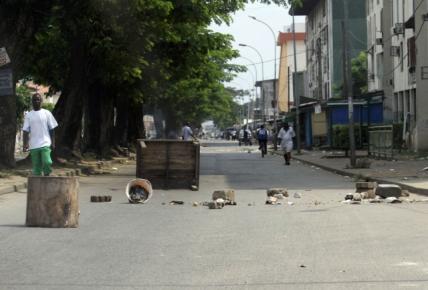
376,193
221,198
275,195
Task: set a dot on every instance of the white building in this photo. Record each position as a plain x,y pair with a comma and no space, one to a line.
286,63
397,62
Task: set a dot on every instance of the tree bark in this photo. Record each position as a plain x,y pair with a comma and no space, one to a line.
69,109
122,121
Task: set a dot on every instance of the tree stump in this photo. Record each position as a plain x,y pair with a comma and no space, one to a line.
52,202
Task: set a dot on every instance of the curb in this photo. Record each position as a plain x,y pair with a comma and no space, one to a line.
421,191
23,185
13,188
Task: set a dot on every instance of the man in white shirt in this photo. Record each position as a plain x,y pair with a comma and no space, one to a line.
39,137
186,132
286,135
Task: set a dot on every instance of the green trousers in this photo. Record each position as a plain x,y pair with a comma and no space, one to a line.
41,159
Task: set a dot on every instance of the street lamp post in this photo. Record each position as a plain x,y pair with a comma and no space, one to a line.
255,88
275,99
263,77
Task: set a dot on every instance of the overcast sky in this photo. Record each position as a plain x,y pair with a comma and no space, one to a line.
248,31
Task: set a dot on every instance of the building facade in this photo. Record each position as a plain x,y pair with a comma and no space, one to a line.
397,64
324,42
286,63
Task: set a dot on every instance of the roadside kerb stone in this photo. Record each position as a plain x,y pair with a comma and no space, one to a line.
7,189
417,190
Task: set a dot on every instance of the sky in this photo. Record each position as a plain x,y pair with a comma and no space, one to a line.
248,31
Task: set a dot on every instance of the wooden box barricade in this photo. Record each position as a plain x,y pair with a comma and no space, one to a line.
169,164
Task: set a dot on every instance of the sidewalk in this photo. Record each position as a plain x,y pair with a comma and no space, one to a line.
12,181
409,174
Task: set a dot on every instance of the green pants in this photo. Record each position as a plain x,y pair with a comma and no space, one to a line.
41,159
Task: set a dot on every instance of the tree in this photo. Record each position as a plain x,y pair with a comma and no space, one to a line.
110,57
359,73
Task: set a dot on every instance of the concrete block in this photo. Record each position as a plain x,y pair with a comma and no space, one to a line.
369,194
365,185
227,194
275,191
388,190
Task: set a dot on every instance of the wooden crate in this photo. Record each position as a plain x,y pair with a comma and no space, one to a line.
168,164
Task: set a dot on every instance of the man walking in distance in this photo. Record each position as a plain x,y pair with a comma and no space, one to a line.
39,137
186,132
262,137
286,135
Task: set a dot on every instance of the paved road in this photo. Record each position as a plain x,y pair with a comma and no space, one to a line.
155,246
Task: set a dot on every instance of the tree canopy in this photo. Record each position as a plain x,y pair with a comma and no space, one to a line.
110,59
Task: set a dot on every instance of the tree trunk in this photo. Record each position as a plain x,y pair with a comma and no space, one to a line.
136,124
69,109
52,202
99,113
122,121
7,130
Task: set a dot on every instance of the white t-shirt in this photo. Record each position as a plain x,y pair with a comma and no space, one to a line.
38,124
187,133
286,136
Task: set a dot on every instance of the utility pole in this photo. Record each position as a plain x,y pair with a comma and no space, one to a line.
347,85
295,96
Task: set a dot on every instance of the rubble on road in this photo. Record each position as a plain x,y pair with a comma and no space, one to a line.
272,200
176,202
388,190
297,195
226,194
405,193
215,205
392,199
277,192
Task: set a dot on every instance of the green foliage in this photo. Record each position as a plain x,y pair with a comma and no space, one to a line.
48,106
340,136
359,73
23,103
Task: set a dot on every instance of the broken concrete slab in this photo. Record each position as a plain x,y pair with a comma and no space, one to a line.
271,200
356,197
388,190
365,185
226,194
277,191
215,205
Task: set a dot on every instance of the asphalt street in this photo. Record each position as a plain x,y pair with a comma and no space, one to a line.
316,243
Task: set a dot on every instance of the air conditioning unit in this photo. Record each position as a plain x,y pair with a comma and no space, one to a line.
398,28
379,41
371,76
395,51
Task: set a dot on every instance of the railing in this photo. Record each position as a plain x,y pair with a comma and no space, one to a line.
381,140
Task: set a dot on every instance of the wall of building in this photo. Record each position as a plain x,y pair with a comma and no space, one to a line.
404,77
421,71
317,55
